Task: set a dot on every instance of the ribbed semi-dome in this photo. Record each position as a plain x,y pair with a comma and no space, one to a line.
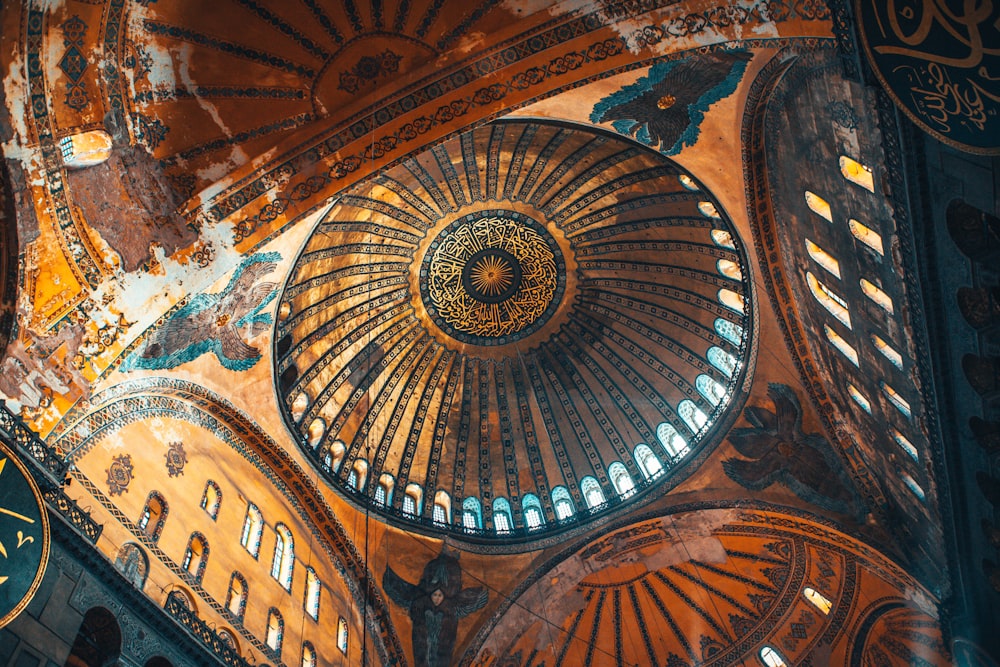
516,331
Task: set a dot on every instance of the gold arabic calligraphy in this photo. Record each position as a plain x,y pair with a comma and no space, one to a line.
22,539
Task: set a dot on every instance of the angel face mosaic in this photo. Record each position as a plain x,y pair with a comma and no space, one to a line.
512,333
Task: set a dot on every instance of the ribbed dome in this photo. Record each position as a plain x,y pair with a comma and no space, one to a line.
536,340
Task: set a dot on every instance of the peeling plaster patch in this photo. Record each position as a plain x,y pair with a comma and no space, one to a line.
524,8
16,94
161,74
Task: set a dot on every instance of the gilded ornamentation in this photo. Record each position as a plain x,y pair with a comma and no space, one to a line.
940,65
491,276
119,474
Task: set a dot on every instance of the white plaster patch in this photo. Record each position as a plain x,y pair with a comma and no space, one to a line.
161,74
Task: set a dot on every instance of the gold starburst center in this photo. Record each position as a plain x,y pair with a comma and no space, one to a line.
491,275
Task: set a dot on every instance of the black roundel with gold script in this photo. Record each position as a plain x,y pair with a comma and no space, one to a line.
24,536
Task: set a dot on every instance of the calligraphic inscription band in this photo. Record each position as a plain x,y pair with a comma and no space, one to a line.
24,536
941,66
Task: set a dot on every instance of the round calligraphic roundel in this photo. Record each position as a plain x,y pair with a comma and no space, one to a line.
513,333
939,66
492,277
24,536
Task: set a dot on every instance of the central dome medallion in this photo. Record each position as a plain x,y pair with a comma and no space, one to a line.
492,277
513,332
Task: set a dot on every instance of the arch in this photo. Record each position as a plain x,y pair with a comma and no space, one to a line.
823,258
729,269
620,479
413,499
316,431
532,508
687,182
732,301
713,392
275,631
817,599
299,406
866,235
729,330
98,640
342,635
829,299
896,399
253,528
692,415
593,495
196,556
183,598
502,516
723,239
283,563
442,508
819,206
158,661
672,441
857,173
472,514
648,463
308,655
133,563
877,296
236,598
211,499
154,515
228,638
85,149
358,475
905,445
383,490
335,456
888,351
841,345
314,588
859,398
722,360
707,209
562,502
772,658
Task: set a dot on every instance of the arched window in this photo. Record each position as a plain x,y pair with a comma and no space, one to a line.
275,630
859,398
335,456
688,182
228,639
211,499
383,492
723,239
196,556
412,499
707,209
714,392
732,300
889,352
308,655
912,485
253,528
299,405
722,360
284,556
472,514
313,588
905,445
672,441
342,635
830,300
85,149
592,493
729,269
729,330
817,599
823,258
819,206
621,480
153,516
532,507
316,431
358,475
866,235
857,173
442,508
98,641
648,463
502,521
132,562
236,598
878,297
562,502
896,399
692,415
772,658
842,345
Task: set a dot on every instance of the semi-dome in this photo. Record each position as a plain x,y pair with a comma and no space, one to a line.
516,331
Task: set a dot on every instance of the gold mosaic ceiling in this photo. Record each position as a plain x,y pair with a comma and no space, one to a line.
512,311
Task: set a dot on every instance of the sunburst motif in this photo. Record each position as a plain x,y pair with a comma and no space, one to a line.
491,275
